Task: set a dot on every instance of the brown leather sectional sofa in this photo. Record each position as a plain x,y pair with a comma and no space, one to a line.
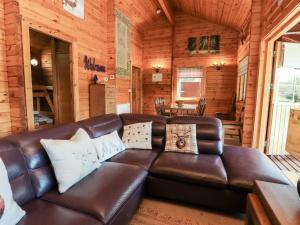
220,176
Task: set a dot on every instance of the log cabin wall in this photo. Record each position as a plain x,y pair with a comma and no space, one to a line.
5,119
273,13
159,47
90,35
220,84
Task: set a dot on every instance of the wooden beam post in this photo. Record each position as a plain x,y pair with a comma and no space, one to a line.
166,7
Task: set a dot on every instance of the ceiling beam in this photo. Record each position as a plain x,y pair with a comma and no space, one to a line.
167,9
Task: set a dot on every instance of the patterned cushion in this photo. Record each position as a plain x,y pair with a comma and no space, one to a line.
72,160
138,135
181,138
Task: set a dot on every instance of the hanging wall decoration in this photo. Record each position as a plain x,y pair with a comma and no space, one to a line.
215,44
192,45
75,7
203,44
123,63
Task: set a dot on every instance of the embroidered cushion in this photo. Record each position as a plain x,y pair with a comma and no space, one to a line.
181,138
71,159
108,145
10,212
138,135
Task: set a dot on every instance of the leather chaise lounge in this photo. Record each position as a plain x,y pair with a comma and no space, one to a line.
219,177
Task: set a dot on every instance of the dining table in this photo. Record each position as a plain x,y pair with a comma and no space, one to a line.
182,110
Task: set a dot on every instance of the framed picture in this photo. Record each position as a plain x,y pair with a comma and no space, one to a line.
75,7
215,44
192,45
203,44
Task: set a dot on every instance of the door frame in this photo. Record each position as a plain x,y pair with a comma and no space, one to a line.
265,75
28,25
141,88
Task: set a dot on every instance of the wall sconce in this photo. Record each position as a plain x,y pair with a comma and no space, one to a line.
218,65
157,76
156,67
34,62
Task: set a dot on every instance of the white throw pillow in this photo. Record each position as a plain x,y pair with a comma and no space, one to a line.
138,135
10,212
181,138
108,145
71,159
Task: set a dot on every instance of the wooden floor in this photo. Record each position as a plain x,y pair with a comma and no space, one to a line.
286,162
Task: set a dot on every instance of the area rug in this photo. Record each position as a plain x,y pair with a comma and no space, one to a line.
154,212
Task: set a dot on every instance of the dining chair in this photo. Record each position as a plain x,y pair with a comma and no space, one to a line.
201,107
160,107
229,115
235,127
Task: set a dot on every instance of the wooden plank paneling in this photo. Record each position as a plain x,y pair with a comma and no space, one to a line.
229,13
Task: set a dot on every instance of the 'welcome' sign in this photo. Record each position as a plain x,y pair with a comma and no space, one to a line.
90,64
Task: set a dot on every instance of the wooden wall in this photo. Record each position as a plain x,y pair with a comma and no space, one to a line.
272,13
160,47
220,85
5,121
89,35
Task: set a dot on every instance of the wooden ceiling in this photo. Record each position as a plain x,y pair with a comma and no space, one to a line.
142,13
231,13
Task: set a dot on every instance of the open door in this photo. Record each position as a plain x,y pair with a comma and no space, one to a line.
285,95
136,90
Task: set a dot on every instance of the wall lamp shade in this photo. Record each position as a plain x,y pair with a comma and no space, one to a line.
156,67
34,62
218,65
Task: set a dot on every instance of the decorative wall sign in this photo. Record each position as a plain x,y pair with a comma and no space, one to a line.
90,64
203,44
157,77
192,45
123,64
215,44
75,7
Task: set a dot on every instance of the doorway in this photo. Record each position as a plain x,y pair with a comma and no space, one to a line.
52,92
285,91
136,90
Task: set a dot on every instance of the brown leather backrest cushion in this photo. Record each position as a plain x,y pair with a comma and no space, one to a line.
158,126
17,172
102,125
209,133
38,164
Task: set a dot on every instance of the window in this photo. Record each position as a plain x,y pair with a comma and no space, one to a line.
190,83
288,85
242,80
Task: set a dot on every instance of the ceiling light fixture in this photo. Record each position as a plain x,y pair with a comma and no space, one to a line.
158,11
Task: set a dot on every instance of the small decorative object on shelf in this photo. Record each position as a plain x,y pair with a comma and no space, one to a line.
96,79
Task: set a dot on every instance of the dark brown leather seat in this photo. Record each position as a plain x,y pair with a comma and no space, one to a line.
218,177
140,157
40,212
244,166
103,193
206,170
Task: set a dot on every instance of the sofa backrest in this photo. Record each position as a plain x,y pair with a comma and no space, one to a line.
101,125
209,132
17,172
36,159
158,126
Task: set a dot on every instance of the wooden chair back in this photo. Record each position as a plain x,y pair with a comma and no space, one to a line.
201,106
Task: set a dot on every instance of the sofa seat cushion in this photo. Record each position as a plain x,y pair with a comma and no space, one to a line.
103,193
207,170
244,166
139,157
41,212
